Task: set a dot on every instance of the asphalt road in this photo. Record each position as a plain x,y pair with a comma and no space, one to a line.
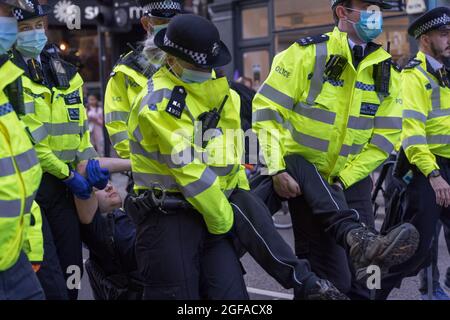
262,287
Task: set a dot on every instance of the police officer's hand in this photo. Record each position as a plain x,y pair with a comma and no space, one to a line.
79,186
97,177
442,190
285,186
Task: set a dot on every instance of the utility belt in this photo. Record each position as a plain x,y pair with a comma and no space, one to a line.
154,201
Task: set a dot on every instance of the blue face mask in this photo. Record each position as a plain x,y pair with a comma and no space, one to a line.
192,76
31,43
369,26
8,33
159,27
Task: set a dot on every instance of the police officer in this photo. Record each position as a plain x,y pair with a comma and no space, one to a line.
20,173
329,114
56,119
426,135
132,71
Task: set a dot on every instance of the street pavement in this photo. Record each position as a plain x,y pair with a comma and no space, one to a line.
262,287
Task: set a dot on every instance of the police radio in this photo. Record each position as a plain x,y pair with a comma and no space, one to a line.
382,75
335,67
14,91
211,119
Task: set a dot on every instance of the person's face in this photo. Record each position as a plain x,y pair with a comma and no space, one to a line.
353,13
438,43
92,100
148,23
108,199
32,24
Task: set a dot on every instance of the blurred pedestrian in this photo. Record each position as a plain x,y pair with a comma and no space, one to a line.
95,118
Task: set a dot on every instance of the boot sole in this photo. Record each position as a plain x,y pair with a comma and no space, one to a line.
401,248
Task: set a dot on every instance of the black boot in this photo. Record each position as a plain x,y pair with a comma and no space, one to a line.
323,290
368,248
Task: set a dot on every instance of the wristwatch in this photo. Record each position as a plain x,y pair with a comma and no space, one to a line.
434,174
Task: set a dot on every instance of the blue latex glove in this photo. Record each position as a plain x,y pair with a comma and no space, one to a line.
96,176
79,186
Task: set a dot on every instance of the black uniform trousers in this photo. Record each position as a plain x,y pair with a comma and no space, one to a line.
58,206
423,212
180,260
321,220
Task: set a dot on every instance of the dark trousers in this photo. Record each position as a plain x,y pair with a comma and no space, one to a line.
50,274
254,228
180,260
321,220
20,282
423,212
57,204
435,274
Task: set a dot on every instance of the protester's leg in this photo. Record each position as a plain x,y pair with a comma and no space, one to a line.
221,272
20,282
167,253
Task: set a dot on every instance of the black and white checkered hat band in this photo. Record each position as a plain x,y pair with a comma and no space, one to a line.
199,58
18,14
440,21
163,5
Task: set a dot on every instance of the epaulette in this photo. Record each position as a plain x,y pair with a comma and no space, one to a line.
306,41
396,66
138,62
412,64
3,59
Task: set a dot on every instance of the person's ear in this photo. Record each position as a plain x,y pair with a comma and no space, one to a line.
146,24
341,12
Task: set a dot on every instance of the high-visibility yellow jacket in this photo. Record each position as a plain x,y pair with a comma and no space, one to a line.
20,172
343,126
166,150
56,119
426,116
128,79
34,239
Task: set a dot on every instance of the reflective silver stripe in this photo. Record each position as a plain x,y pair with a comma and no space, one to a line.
87,154
276,96
137,134
435,90
85,127
315,113
203,183
26,160
178,160
119,137
413,140
10,208
267,115
60,129
439,139
228,193
29,202
307,140
222,171
155,97
116,116
388,123
411,114
319,69
66,155
6,167
29,107
360,123
382,143
439,113
39,134
347,150
148,180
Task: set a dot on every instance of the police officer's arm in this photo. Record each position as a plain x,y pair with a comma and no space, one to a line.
275,99
416,107
198,183
385,135
34,241
85,151
117,108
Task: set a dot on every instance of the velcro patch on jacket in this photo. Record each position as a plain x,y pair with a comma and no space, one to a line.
369,109
74,114
72,98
